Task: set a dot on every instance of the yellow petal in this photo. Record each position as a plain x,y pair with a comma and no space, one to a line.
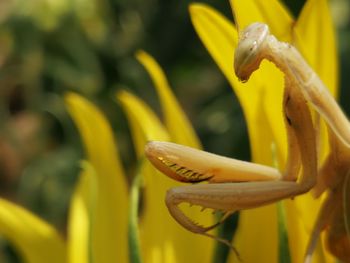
110,226
260,97
175,119
36,240
270,12
162,239
81,216
315,37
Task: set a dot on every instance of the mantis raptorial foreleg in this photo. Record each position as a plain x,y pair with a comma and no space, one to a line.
190,165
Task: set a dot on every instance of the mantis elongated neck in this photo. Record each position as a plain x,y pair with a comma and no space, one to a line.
288,59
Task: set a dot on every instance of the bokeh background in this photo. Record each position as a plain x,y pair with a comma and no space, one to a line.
49,47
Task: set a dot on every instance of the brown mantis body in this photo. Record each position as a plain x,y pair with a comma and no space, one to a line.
236,185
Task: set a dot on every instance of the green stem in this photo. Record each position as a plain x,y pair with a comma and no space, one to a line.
225,231
284,255
133,238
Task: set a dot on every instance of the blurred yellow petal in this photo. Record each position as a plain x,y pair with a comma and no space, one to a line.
109,242
81,215
270,12
36,240
315,36
162,238
175,120
145,125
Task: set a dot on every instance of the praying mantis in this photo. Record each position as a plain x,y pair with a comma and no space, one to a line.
234,185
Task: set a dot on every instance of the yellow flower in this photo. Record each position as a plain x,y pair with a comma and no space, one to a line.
261,100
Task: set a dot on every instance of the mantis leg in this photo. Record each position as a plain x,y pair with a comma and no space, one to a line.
228,197
338,239
334,176
333,215
322,221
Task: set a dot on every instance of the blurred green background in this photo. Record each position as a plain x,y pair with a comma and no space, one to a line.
87,46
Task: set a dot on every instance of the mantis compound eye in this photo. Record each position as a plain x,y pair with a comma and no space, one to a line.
247,56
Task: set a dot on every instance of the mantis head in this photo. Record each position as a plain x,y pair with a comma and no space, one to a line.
248,56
